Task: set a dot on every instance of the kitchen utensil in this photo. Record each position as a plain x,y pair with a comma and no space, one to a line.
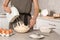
13,15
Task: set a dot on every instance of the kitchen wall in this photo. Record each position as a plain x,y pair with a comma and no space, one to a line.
50,5
1,9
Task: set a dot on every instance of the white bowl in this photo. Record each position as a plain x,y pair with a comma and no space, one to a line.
45,30
44,12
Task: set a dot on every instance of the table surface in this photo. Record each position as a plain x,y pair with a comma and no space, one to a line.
25,36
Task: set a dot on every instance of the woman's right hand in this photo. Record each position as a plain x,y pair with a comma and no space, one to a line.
5,6
7,9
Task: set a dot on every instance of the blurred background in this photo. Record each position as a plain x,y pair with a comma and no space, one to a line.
53,5
44,4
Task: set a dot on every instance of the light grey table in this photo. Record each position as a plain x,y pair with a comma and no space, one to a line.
25,36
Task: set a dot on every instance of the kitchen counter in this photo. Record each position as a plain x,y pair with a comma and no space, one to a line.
49,18
47,21
25,36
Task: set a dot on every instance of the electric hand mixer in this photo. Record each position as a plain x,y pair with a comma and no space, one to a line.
13,15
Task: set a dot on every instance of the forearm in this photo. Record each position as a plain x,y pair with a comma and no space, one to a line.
5,3
36,9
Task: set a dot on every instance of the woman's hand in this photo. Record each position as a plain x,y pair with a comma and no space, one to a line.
36,11
32,22
7,9
5,6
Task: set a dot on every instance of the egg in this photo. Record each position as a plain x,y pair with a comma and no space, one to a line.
0,30
10,30
3,32
7,33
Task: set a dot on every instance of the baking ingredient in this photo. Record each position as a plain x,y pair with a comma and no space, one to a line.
22,28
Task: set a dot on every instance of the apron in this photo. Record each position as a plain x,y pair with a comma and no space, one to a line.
24,8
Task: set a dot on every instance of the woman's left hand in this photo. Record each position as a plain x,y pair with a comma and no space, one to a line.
32,22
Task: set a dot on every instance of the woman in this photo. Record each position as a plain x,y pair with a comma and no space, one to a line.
24,7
